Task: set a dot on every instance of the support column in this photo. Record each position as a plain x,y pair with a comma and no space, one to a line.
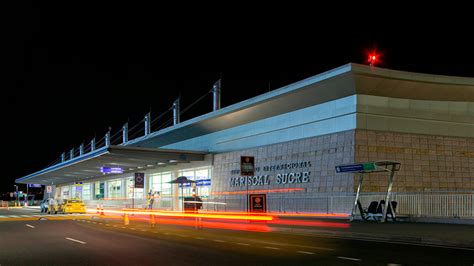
176,111
147,124
125,133
81,149
175,192
107,138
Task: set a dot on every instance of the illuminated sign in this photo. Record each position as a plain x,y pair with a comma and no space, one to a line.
247,165
258,202
298,174
111,170
350,168
139,180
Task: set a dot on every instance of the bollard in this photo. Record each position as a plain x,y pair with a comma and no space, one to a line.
152,220
97,209
102,210
125,219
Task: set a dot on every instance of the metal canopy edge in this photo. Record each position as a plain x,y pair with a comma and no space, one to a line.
88,165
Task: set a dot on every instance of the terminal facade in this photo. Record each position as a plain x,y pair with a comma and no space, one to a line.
297,135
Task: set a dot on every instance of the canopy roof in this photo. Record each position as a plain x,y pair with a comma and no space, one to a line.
130,159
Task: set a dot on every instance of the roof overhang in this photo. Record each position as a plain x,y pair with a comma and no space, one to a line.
347,80
130,159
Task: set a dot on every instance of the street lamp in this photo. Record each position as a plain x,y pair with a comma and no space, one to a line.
16,201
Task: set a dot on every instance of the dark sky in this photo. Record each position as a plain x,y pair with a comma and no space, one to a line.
75,70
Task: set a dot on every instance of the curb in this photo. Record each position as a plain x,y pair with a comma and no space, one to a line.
382,238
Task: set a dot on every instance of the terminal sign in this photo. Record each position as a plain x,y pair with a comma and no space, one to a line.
361,167
139,180
247,165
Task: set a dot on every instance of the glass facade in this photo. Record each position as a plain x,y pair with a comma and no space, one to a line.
99,190
86,191
160,183
114,189
131,190
202,176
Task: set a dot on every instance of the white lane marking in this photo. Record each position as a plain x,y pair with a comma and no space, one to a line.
25,215
271,243
133,229
243,244
123,227
115,225
167,234
200,238
75,240
398,242
143,230
347,258
271,248
305,252
13,216
94,222
329,249
30,226
182,235
100,223
107,224
218,240
393,264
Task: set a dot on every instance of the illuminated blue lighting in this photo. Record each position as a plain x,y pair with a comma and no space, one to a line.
111,170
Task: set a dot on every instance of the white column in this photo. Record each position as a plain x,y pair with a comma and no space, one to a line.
176,192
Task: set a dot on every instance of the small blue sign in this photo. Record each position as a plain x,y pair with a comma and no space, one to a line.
34,185
199,183
360,167
349,168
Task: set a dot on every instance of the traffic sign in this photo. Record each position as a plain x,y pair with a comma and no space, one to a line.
351,168
49,189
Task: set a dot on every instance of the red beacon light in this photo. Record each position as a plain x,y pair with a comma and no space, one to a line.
372,59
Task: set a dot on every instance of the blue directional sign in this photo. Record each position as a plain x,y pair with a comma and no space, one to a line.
360,167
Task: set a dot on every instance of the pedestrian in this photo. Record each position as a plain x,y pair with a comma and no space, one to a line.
51,204
152,200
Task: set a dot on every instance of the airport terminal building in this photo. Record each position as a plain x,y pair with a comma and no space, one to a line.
297,134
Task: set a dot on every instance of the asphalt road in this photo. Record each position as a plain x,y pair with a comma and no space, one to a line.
100,242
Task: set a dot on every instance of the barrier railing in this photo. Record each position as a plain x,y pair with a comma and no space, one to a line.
445,205
409,204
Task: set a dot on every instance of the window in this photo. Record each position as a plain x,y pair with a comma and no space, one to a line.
202,177
160,183
114,188
86,191
99,190
131,190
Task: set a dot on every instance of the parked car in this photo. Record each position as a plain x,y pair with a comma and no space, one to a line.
44,206
72,206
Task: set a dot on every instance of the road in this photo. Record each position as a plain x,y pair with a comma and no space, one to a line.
86,241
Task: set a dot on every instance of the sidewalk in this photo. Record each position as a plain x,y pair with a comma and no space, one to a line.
448,235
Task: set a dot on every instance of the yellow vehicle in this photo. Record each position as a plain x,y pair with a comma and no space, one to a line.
72,206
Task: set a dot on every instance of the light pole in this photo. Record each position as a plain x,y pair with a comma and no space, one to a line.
16,200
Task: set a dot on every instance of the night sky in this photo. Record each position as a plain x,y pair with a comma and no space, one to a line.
75,70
